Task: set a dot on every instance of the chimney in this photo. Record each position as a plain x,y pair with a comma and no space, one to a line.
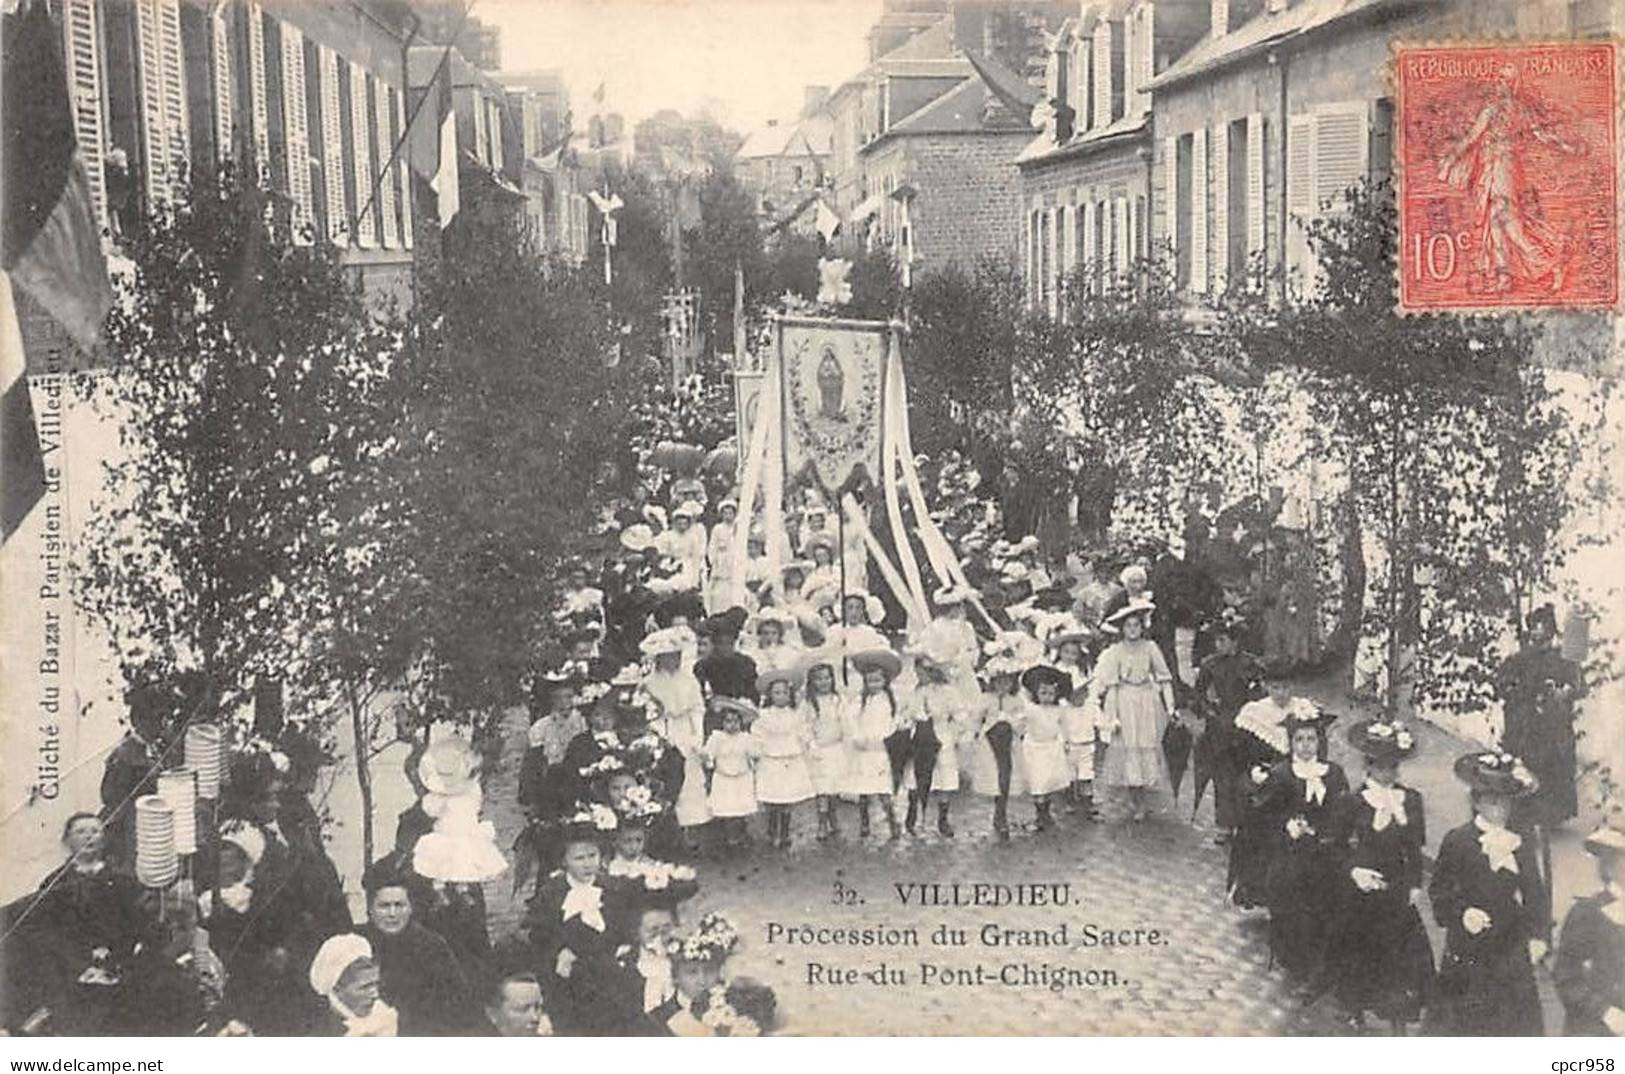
1219,17
812,99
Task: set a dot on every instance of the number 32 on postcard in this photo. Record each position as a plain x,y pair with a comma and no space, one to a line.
1508,176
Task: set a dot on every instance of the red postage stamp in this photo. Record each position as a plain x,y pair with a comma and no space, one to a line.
1508,176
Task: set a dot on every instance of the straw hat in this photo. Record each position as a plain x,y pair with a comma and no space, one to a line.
1496,773
882,659
1133,607
794,674
1382,741
1606,841
1039,674
637,538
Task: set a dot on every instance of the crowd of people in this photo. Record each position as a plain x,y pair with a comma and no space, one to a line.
685,702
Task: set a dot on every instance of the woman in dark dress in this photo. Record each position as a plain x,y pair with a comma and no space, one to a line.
1258,744
1590,969
1301,806
1381,960
1488,896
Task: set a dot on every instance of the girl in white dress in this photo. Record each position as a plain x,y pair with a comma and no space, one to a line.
1079,713
1042,746
872,715
681,722
827,757
781,739
820,550
944,712
994,772
777,641
730,755
719,553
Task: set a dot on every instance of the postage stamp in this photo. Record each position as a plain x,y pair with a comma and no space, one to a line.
1508,176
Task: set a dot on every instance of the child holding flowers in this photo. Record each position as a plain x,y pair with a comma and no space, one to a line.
730,757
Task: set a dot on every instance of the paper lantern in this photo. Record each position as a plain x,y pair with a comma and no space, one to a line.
205,754
178,787
157,863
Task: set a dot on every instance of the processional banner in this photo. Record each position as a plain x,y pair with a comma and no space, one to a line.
833,378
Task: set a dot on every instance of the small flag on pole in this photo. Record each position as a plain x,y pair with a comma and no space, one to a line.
828,222
448,195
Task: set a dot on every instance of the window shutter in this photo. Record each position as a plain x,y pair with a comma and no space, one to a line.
1255,186
1051,275
496,135
479,129
224,82
1341,144
1131,77
1300,186
82,51
338,217
1091,256
1069,236
404,172
1221,206
1148,55
1103,73
1170,192
1080,83
1133,233
1120,243
1199,234
259,109
386,165
296,130
366,232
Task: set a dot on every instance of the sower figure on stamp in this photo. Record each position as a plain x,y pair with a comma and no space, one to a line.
1515,241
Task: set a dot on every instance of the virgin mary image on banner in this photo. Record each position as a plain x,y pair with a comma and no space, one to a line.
833,390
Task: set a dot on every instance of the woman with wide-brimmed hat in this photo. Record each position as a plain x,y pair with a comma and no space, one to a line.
1488,895
1381,960
1136,702
1590,968
872,716
1261,742
1301,809
681,721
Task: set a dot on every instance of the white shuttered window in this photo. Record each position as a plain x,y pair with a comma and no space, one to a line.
258,104
404,172
1103,73
1199,232
366,232
1170,192
382,145
1255,187
296,130
1221,206
338,216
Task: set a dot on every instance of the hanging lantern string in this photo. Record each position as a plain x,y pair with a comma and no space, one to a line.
156,766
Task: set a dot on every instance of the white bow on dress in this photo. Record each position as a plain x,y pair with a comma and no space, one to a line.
1389,803
585,901
1498,845
1313,774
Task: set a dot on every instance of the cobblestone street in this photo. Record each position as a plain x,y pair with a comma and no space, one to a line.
1207,975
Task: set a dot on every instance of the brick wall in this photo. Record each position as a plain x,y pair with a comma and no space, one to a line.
969,201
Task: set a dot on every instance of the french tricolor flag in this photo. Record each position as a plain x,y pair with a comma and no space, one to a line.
49,246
